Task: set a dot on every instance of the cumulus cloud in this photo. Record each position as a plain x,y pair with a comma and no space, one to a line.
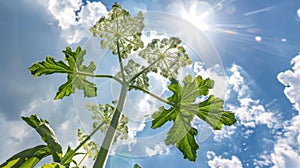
238,99
75,18
20,136
219,162
59,115
64,11
14,136
291,79
226,132
249,112
158,149
286,149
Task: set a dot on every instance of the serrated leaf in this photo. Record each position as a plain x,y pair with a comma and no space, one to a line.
120,29
49,66
211,111
102,114
183,110
27,158
167,55
53,165
162,116
75,70
131,69
182,134
47,135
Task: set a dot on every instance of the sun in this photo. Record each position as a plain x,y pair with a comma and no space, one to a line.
198,13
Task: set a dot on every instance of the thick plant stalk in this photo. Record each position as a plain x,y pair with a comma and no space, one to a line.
103,153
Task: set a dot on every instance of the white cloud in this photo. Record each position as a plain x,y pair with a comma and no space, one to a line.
88,16
219,162
249,112
291,79
160,149
14,136
75,27
216,73
286,150
264,160
64,11
58,113
237,82
238,99
226,132
287,147
19,135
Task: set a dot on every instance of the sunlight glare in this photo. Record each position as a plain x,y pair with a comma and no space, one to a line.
202,15
258,39
199,13
283,40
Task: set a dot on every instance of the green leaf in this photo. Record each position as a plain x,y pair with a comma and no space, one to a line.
167,55
75,70
211,111
53,165
137,166
102,114
67,159
182,134
47,135
69,154
49,66
120,29
131,69
184,107
27,158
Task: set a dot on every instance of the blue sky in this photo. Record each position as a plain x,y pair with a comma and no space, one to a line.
255,43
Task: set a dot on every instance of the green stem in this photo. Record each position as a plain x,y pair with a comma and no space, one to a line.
99,76
82,159
149,66
106,144
144,70
151,94
120,61
66,158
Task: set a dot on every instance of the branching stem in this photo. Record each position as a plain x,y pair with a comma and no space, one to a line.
145,69
66,158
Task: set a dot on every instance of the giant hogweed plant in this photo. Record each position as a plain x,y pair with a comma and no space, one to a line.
121,33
